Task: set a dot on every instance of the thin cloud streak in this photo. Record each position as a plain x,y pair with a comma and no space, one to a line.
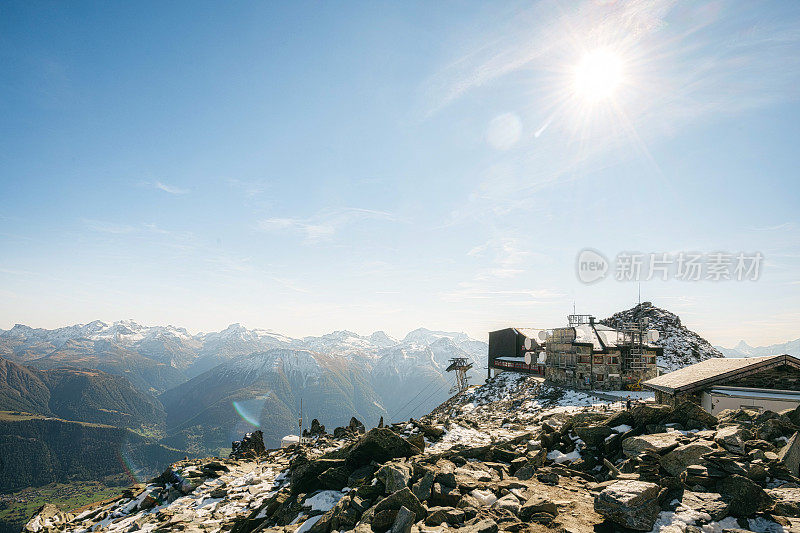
171,189
324,225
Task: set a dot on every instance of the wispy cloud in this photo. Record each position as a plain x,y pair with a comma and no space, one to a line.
324,225
524,296
505,254
250,188
171,189
103,226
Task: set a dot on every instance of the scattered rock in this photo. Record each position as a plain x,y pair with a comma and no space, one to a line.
744,497
485,525
508,502
732,438
660,443
394,476
536,505
787,501
632,504
402,498
594,436
404,520
418,441
250,447
380,445
684,456
789,455
706,502
441,515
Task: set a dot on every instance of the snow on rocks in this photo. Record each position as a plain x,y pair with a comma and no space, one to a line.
504,457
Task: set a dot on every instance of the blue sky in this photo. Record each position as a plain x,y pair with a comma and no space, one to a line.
306,167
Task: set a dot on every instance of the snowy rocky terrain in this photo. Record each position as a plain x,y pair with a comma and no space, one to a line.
512,455
682,346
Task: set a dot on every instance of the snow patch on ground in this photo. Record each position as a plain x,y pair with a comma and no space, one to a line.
323,501
308,524
486,497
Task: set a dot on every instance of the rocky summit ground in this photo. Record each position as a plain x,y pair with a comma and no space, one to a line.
512,455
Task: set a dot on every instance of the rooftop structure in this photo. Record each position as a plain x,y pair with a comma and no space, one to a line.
769,382
585,354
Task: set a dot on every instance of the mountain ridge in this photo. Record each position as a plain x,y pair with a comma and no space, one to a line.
742,349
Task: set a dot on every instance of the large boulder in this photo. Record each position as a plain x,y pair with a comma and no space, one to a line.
509,502
629,503
657,442
344,515
681,457
380,445
485,525
692,416
776,428
356,426
441,515
402,498
250,447
422,488
789,455
593,436
316,428
706,502
793,415
640,416
743,495
787,501
535,505
732,438
306,474
403,521
395,476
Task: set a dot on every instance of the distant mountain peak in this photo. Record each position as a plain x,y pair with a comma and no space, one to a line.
743,347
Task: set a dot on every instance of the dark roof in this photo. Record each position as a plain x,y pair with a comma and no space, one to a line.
716,370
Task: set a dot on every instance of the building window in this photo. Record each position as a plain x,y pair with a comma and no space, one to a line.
613,360
585,358
599,377
598,359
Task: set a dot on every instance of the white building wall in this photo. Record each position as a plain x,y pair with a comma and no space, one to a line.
716,403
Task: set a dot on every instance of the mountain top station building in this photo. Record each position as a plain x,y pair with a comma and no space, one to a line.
763,383
583,355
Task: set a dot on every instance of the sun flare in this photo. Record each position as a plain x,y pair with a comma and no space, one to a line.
598,75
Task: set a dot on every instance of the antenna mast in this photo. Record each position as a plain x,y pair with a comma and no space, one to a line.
301,419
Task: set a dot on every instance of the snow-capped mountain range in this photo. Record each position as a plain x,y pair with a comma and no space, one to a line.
745,350
210,383
156,358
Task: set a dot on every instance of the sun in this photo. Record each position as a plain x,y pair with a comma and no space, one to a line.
598,75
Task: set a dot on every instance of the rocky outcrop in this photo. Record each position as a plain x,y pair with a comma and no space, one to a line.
250,447
47,519
682,346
